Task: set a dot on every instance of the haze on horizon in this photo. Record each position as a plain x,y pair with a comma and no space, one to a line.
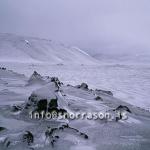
95,25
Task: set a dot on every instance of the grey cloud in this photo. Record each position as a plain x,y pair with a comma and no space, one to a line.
96,25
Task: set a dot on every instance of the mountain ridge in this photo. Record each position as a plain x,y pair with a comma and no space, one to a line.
14,48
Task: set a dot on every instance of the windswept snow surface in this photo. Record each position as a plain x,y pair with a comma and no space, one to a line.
15,48
129,82
68,134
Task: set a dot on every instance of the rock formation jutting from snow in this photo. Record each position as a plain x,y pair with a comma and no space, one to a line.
19,131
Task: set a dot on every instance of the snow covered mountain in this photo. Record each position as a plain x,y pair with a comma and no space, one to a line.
15,48
123,57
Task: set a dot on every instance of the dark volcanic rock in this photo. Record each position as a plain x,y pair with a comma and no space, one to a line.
120,109
2,68
53,103
98,98
123,108
2,129
57,82
83,86
28,138
32,101
16,108
42,105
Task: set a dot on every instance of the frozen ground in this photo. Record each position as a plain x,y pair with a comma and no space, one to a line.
130,134
128,82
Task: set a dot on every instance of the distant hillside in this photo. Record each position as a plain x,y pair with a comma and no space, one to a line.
15,48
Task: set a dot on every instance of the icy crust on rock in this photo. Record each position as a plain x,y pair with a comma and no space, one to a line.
19,131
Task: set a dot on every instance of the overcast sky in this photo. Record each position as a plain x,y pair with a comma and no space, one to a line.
95,25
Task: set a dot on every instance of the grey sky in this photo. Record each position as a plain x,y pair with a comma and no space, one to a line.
96,25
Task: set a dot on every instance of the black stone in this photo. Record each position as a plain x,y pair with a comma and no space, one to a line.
85,136
53,103
98,98
57,137
2,129
63,111
28,137
16,108
42,105
119,108
84,86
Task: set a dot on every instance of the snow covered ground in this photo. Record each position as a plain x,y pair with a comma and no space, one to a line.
129,80
129,84
21,95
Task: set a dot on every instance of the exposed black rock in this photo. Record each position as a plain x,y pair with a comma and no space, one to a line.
33,98
84,135
53,107
98,98
61,128
123,108
2,129
2,68
32,101
57,137
52,143
120,110
27,106
53,103
83,86
57,82
65,126
36,74
51,131
42,105
6,142
49,135
28,138
16,108
62,111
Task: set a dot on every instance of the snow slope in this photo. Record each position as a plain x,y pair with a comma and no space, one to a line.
66,134
123,58
15,48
